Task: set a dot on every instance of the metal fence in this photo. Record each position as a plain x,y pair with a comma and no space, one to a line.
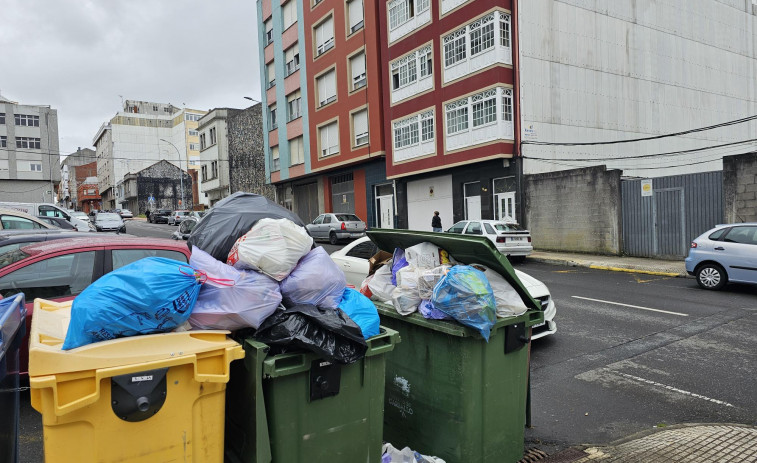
679,209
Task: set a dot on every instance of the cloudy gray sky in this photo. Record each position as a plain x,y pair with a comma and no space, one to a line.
78,56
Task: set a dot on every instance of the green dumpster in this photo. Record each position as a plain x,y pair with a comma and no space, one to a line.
449,393
298,407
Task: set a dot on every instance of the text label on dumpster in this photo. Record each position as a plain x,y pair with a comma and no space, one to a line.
139,379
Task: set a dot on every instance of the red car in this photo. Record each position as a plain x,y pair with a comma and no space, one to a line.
59,270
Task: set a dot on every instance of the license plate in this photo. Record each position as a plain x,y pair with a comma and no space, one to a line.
515,239
354,235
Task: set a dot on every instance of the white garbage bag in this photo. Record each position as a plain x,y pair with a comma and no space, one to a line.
509,302
231,299
390,454
427,255
381,284
405,297
429,278
316,280
272,246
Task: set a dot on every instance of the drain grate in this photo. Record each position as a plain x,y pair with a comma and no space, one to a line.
566,456
532,456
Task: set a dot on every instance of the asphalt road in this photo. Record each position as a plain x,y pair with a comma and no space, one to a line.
631,352
635,351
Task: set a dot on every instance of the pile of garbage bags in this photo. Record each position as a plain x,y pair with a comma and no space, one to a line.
425,278
253,267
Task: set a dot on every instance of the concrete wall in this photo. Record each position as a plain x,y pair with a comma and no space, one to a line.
740,188
575,210
246,160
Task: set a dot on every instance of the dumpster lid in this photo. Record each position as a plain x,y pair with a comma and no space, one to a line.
49,326
465,249
12,317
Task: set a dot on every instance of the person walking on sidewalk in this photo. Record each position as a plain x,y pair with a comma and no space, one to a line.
436,222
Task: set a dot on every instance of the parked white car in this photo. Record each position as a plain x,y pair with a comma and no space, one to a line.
353,260
509,238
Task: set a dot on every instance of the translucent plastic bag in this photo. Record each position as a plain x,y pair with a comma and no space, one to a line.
316,280
427,255
151,295
427,309
428,280
364,289
362,311
405,297
398,262
272,246
381,284
464,293
239,299
509,302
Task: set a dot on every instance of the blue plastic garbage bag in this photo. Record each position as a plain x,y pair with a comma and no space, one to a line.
151,295
427,309
362,311
464,294
398,262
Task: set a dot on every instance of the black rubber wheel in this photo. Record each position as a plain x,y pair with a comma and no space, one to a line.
332,238
711,276
517,259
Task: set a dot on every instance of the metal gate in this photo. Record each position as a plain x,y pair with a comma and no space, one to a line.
306,201
343,194
680,208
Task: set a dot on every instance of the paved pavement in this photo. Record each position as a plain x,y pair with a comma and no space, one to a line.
615,263
682,444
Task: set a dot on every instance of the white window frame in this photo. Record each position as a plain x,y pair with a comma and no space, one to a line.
289,14
322,86
352,16
268,31
299,144
481,34
361,138
507,105
456,115
480,118
331,147
271,74
324,39
425,62
455,47
35,166
406,69
292,58
481,43
427,126
275,160
402,11
294,105
484,108
272,124
359,79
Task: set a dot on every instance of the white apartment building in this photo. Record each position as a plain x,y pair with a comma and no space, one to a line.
612,70
214,153
29,157
140,135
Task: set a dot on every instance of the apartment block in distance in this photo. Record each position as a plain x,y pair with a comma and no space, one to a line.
29,159
450,109
325,144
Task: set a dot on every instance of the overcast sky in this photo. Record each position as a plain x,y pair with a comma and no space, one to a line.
78,56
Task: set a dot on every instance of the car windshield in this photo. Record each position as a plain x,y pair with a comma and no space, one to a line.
78,214
127,211
107,216
347,218
11,257
506,227
182,213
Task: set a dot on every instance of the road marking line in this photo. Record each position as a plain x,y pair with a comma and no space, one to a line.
633,270
631,306
674,389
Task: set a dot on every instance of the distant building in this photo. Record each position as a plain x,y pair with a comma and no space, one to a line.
29,157
139,136
88,194
155,187
68,188
214,153
246,155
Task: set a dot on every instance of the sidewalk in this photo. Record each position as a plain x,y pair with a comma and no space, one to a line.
672,268
682,443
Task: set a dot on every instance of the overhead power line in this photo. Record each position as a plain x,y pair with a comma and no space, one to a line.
656,137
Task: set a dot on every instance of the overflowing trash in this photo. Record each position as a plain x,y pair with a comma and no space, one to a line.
464,294
390,454
316,280
362,311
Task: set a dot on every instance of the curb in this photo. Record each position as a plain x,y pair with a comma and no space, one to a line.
573,263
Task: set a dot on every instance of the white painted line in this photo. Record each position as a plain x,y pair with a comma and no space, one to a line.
674,389
632,306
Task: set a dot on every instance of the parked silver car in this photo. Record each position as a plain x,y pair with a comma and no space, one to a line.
109,221
336,226
176,217
727,253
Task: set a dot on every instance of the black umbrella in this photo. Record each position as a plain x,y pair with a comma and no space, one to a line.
231,218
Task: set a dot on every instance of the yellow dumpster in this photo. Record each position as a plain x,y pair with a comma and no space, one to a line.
146,398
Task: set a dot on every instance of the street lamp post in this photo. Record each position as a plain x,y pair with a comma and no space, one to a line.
181,175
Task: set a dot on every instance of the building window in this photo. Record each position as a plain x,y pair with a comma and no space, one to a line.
268,31
204,170
507,105
427,126
154,108
275,163
504,30
194,147
192,117
27,120
3,141
2,118
457,116
484,108
482,34
355,14
193,133
402,11
203,145
357,67
406,132
271,70
289,14
272,117
35,167
424,61
214,169
329,137
360,127
326,88
27,142
213,136
292,58
454,47
294,105
404,71
296,151
324,36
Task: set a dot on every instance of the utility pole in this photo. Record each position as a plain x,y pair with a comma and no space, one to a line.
49,158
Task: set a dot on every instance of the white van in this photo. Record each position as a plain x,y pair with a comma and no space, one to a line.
46,209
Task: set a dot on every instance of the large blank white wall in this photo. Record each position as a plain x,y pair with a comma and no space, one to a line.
597,70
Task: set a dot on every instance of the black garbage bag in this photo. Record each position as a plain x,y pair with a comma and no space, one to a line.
231,218
327,332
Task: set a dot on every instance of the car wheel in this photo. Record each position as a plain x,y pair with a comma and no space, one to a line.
711,276
517,259
332,238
